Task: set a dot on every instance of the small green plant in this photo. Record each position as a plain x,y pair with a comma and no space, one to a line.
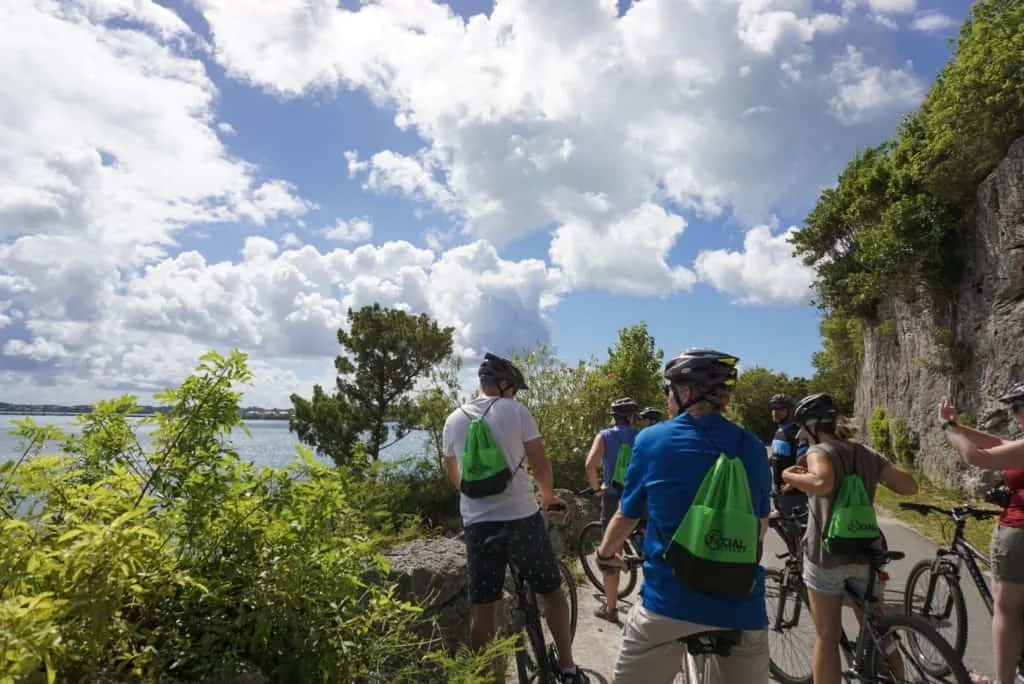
903,444
878,432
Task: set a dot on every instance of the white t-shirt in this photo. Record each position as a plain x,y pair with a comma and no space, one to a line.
512,425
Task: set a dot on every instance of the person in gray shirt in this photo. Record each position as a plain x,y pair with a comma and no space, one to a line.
831,456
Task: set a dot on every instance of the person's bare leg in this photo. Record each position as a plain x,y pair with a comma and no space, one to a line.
827,612
483,623
559,619
1007,628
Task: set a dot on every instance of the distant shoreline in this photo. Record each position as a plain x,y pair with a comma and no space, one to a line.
130,415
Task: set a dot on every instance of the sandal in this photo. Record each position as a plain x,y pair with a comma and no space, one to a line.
604,613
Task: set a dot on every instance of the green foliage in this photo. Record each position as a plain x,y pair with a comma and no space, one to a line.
385,351
435,403
878,432
634,366
755,386
892,438
183,562
571,403
836,365
890,225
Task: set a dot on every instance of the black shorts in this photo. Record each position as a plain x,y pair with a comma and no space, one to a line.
528,547
610,506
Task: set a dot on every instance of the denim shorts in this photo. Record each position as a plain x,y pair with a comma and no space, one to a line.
833,580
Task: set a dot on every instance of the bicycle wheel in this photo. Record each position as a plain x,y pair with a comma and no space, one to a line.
876,664
586,549
790,629
572,596
947,611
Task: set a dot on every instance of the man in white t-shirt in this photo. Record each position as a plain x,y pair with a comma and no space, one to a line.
514,510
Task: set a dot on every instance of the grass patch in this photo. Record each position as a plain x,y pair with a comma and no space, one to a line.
937,528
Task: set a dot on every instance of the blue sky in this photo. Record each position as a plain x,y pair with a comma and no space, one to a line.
524,171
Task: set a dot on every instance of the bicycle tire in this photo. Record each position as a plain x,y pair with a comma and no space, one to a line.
590,537
573,597
533,667
867,661
919,574
773,575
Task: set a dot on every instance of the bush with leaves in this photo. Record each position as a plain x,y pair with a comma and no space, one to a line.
118,564
749,403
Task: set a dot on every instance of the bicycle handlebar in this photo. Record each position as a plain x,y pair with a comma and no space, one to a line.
956,512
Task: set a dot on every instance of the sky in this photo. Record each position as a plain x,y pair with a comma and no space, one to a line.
209,174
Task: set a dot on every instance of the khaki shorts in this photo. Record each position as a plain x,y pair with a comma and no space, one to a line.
650,652
1007,550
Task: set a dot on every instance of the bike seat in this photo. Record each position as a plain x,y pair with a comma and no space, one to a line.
883,556
715,642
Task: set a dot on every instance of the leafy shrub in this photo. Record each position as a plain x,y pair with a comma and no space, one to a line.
878,432
904,444
185,562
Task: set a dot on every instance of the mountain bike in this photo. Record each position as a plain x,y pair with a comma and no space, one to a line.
871,656
632,553
943,572
536,658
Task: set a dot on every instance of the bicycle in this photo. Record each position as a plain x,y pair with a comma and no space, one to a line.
536,658
632,553
876,634
946,566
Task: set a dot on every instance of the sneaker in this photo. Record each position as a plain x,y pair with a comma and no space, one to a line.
576,677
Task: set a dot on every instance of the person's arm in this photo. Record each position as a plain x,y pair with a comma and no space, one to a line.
817,479
898,480
533,451
1008,455
451,462
593,460
981,440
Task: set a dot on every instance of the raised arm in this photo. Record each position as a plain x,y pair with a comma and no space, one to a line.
593,461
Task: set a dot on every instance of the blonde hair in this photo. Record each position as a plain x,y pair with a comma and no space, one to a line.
846,428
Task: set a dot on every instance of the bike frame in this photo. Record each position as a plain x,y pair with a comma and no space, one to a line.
968,555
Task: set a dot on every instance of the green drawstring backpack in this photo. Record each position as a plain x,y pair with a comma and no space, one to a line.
485,471
621,465
714,549
853,525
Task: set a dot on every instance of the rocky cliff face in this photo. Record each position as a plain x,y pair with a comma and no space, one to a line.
970,348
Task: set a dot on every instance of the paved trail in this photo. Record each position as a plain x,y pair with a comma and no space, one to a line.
597,641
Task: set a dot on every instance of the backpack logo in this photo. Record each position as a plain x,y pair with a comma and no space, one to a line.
715,541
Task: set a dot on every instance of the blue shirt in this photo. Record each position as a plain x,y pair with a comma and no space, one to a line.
669,463
614,437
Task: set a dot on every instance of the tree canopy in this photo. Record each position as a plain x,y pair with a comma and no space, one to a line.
385,352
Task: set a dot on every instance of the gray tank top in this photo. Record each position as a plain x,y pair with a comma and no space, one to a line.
846,458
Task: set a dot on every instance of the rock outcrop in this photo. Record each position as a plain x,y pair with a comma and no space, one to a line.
432,572
968,347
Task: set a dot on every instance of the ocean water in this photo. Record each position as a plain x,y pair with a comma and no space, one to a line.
269,444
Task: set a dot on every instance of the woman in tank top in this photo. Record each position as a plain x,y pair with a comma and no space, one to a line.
831,456
990,452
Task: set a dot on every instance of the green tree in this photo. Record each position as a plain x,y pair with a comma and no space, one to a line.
385,352
435,403
749,403
634,364
836,365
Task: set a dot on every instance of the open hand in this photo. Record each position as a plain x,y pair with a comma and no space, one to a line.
947,412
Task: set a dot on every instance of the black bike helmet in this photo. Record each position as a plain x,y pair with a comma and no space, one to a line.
651,413
1014,395
624,407
502,373
781,401
818,407
703,368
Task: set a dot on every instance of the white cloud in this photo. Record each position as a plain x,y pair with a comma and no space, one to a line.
765,272
933,22
351,230
865,90
893,6
532,112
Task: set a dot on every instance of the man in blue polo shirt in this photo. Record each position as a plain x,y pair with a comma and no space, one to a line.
668,464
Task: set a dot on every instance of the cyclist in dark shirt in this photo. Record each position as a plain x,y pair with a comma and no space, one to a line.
786,451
